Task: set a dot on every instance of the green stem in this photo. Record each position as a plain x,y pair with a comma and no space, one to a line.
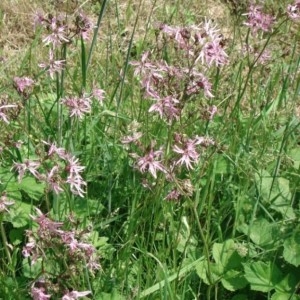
206,250
4,239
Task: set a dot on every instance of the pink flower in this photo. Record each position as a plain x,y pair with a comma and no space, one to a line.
131,138
38,18
93,265
204,141
4,203
293,10
98,94
78,107
210,30
173,195
3,116
53,180
22,83
28,165
182,35
197,83
74,179
166,108
39,293
264,57
258,20
67,236
58,33
213,53
54,66
73,167
188,152
28,249
53,149
45,224
210,112
75,295
84,26
142,67
76,184
150,162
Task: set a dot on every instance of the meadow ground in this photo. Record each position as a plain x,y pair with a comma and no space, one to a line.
149,149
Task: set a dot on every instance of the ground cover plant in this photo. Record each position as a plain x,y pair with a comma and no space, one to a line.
150,150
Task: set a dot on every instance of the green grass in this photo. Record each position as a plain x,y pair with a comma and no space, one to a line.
233,235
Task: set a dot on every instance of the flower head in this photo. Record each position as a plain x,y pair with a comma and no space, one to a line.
22,83
98,94
4,203
167,107
27,165
257,20
293,10
78,106
58,33
84,26
75,295
54,66
150,162
39,293
188,152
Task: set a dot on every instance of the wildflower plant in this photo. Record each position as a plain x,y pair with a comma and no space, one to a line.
174,89
48,172
57,256
150,158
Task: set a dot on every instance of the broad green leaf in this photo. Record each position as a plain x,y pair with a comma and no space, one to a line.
288,284
234,280
291,249
32,270
262,276
223,166
264,183
202,272
87,208
263,233
225,255
275,192
284,296
33,189
18,215
16,236
282,202
295,155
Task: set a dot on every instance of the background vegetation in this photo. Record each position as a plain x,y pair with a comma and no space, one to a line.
105,195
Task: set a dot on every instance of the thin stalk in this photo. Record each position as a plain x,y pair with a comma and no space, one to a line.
206,250
4,240
101,14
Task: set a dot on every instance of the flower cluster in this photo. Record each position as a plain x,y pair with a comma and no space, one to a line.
201,42
67,246
171,86
22,84
80,106
61,168
257,20
59,33
173,89
185,154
